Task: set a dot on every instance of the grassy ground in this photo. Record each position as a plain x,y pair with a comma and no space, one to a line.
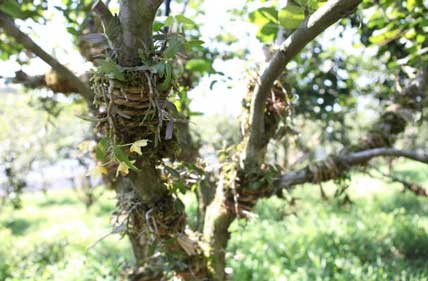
383,235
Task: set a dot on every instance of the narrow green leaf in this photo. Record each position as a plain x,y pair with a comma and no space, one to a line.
121,156
159,68
175,44
168,77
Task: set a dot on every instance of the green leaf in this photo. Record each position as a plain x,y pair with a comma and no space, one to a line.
175,44
185,20
212,84
168,77
314,5
266,20
159,68
157,26
199,65
195,42
263,15
109,67
291,16
173,172
169,21
121,157
195,113
73,31
11,8
179,206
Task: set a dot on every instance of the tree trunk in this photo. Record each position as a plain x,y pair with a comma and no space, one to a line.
217,221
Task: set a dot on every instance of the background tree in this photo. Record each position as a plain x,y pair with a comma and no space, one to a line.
137,100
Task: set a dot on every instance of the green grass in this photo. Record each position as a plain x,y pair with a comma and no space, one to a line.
382,235
49,238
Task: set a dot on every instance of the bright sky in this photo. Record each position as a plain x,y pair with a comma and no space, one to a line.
224,98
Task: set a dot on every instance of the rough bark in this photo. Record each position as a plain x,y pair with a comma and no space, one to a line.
217,221
131,30
152,210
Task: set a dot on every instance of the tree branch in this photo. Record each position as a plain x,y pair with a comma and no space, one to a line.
51,80
328,14
334,166
408,186
12,30
29,82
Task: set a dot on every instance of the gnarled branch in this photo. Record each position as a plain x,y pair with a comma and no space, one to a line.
334,166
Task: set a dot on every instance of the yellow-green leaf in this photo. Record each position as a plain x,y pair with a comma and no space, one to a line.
384,36
410,5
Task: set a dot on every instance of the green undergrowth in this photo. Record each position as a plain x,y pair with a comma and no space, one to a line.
54,237
381,235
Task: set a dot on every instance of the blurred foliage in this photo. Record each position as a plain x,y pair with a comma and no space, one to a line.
383,235
398,28
217,131
32,138
23,10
